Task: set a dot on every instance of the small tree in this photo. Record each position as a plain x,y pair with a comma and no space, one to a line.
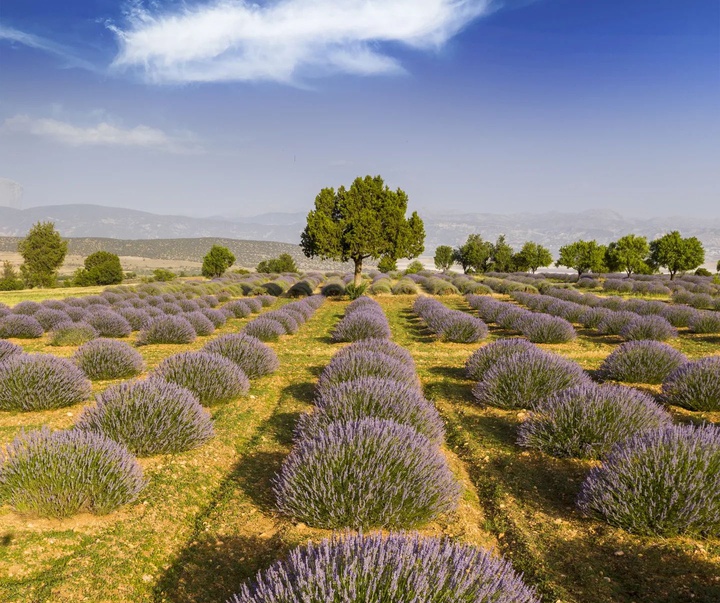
501,258
583,256
43,252
474,254
414,267
365,221
101,268
283,263
677,254
10,280
444,258
387,264
627,254
162,275
217,261
531,257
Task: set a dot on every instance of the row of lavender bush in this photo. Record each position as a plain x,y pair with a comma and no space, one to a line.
364,319
655,478
537,327
447,324
284,321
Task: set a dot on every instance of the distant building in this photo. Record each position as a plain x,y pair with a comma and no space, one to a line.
10,193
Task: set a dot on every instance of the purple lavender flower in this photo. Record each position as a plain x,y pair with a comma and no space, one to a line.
20,326
108,359
694,385
486,356
167,329
642,362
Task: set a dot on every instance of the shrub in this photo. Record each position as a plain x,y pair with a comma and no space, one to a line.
108,359
385,569
264,329
137,318
485,357
8,349
149,417
167,329
364,363
249,353
66,472
382,346
664,482
202,324
679,316
642,362
381,287
286,319
300,289
355,291
20,326
654,328
26,308
459,327
438,286
363,324
40,382
254,304
49,318
211,377
109,324
695,385
614,322
217,317
542,328
374,397
367,473
705,322
587,421
333,290
236,309
72,333
522,380
405,287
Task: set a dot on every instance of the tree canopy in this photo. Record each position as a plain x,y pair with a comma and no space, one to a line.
217,261
43,252
501,258
387,264
444,257
474,255
583,256
531,257
365,221
282,263
628,254
101,268
676,253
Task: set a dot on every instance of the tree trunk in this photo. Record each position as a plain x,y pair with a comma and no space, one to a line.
358,271
672,275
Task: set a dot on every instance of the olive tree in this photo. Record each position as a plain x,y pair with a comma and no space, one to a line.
583,256
628,254
677,254
365,221
531,257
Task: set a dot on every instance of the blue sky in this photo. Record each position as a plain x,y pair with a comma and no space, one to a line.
224,107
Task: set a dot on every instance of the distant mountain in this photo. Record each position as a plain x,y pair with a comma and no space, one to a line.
552,229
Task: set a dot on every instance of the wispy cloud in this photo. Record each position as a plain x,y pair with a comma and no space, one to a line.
236,40
70,59
102,134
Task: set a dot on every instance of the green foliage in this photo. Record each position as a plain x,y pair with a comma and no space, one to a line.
365,221
355,291
703,272
474,255
43,252
10,280
583,256
414,267
531,257
676,254
217,261
717,267
162,275
444,257
101,268
283,263
501,258
387,264
627,254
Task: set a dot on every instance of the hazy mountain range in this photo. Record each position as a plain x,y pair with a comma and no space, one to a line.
551,229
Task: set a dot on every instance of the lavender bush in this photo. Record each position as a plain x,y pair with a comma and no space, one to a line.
66,472
202,324
664,482
705,322
72,333
108,359
614,322
374,397
654,328
523,380
149,417
109,324
542,328
381,346
367,473
253,357
286,319
695,385
20,326
49,318
26,308
382,569
138,319
587,421
211,377
40,382
642,362
217,317
485,357
236,309
167,329
8,349
459,327
362,324
264,329
364,363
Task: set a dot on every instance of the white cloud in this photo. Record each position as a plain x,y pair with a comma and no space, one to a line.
102,134
235,40
16,36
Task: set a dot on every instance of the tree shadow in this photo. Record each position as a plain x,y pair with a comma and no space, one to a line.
304,391
282,426
450,372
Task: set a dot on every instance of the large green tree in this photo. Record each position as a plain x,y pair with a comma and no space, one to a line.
444,257
676,253
43,252
628,254
365,221
217,261
474,254
532,256
501,258
101,268
583,256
